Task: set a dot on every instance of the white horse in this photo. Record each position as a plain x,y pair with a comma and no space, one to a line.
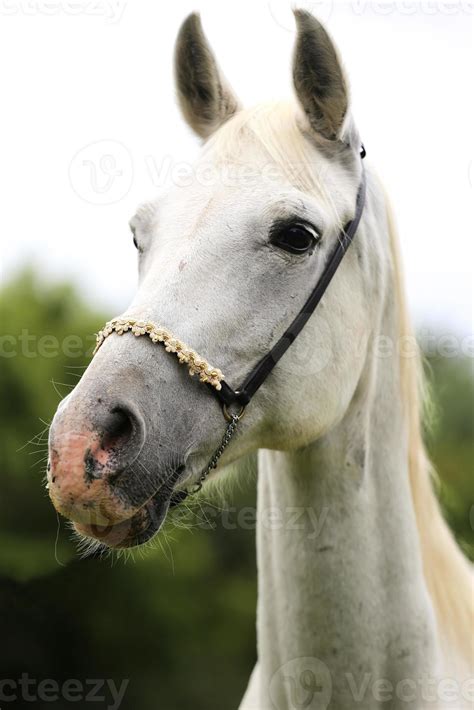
375,610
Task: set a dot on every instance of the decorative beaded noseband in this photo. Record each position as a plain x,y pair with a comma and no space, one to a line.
212,376
196,365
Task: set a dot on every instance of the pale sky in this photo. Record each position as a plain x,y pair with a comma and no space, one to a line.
90,127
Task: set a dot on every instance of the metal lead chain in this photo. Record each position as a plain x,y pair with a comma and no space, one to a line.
228,434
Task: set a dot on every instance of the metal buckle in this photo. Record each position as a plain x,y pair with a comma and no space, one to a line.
229,415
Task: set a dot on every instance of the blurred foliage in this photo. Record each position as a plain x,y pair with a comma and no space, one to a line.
451,442
178,621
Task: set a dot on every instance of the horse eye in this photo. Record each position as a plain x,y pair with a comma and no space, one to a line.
295,237
133,231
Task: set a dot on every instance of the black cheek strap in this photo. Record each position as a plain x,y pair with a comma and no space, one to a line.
260,372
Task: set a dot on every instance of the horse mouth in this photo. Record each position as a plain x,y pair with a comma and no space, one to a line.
140,527
132,532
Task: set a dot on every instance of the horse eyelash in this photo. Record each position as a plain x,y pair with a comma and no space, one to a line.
280,224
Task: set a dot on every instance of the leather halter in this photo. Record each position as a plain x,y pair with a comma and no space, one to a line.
233,401
260,372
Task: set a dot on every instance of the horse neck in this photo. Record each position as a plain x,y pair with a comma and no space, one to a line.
340,569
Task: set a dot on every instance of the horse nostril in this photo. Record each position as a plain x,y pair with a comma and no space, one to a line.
117,430
120,438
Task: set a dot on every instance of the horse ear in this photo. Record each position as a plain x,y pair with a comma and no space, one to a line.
205,99
318,77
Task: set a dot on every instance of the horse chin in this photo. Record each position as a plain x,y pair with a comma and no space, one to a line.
132,532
